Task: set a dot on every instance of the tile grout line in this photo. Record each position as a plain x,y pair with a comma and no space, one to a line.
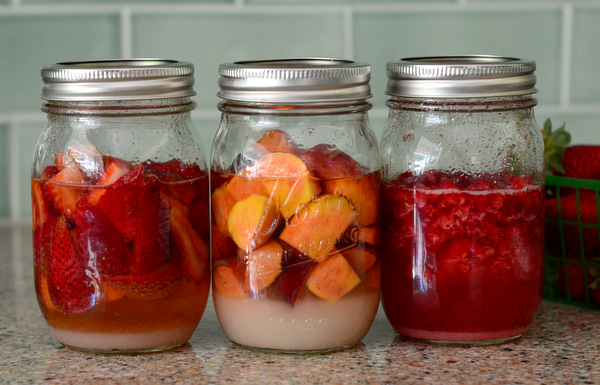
565,59
126,33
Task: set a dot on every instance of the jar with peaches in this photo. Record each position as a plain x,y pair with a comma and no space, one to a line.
120,206
463,199
295,205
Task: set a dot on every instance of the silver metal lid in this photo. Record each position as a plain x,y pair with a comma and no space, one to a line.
460,76
120,79
295,80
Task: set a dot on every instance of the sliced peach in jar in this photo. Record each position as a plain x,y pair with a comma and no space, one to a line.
317,226
263,265
292,194
333,278
370,235
222,203
241,188
286,179
227,282
275,141
275,166
252,221
362,191
361,258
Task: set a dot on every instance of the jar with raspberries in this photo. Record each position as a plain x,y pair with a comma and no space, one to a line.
120,206
462,199
295,205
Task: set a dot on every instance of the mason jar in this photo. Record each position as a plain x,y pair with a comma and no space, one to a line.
120,206
295,205
462,199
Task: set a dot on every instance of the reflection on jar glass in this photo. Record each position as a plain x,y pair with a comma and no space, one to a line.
295,205
120,206
462,198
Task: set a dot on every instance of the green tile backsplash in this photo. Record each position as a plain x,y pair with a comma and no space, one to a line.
562,36
4,172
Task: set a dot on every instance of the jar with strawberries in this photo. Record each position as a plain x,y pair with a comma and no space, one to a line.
295,205
120,206
462,198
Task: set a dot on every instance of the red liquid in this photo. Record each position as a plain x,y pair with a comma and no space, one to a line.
130,258
462,258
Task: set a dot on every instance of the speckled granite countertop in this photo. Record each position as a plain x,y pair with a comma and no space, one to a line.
562,347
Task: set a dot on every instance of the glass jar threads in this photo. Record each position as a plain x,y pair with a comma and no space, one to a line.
120,206
462,198
295,205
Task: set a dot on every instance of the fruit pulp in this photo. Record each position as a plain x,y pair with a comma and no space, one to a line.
462,258
295,255
126,267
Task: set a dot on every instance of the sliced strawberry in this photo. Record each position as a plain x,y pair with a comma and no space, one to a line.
63,160
64,190
88,159
134,207
114,170
188,250
42,243
154,284
98,243
71,289
184,181
41,207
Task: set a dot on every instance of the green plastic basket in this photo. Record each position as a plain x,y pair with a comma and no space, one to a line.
572,244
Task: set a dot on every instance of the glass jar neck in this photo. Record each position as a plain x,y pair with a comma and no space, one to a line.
119,107
304,109
487,104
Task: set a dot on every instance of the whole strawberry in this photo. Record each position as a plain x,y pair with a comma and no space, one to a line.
582,161
569,210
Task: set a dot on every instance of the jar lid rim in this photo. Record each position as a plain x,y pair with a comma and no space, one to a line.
117,79
461,76
295,80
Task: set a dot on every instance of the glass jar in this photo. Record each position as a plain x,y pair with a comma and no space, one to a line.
295,205
120,206
463,193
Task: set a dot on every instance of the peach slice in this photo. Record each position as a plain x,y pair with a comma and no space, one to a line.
275,141
361,258
287,179
242,188
362,191
229,193
252,221
372,277
333,278
317,226
263,266
222,203
227,282
370,235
